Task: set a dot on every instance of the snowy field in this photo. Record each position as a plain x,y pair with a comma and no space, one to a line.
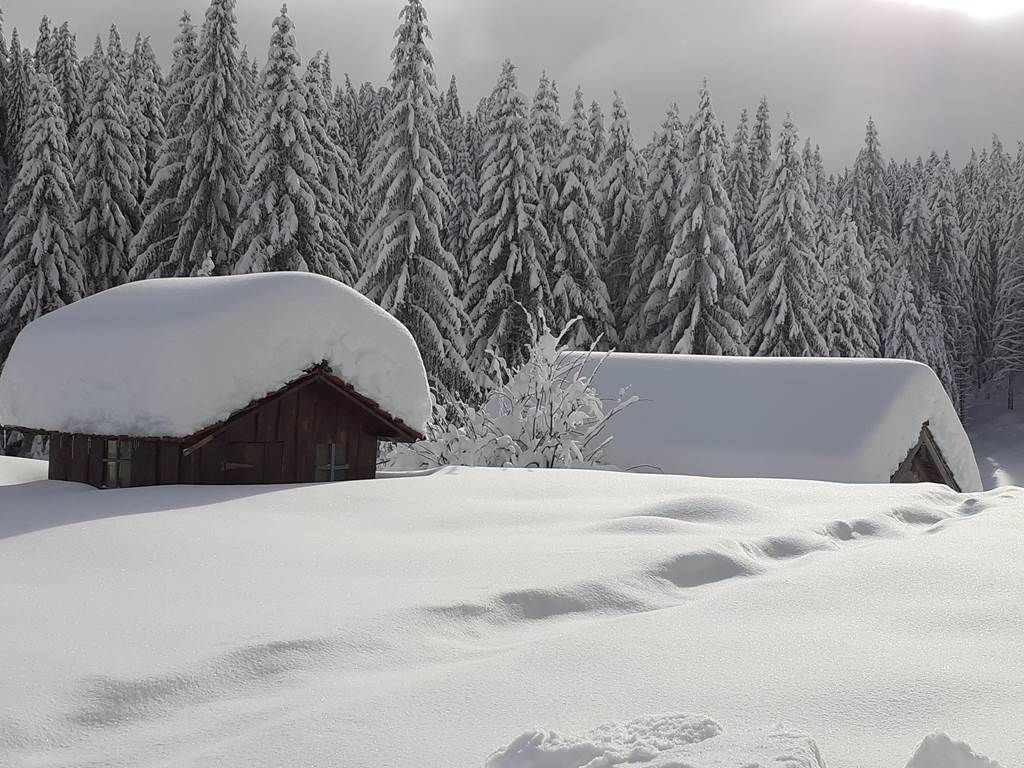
998,439
440,620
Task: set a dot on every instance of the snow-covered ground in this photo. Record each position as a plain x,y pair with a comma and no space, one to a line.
442,619
997,435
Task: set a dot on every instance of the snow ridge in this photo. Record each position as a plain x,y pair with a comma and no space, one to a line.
940,751
670,741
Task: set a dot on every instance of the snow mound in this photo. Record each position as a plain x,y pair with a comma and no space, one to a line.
671,741
850,421
166,358
15,471
940,751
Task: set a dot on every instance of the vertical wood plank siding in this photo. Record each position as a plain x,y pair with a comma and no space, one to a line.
272,442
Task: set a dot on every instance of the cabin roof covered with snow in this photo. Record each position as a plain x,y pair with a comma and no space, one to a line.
170,357
815,419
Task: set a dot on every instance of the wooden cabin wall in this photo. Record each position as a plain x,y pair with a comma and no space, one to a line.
78,458
925,464
279,439
274,443
920,469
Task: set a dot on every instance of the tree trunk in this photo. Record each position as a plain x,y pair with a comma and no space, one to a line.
1009,391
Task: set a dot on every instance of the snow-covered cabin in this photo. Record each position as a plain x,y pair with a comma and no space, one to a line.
856,421
270,378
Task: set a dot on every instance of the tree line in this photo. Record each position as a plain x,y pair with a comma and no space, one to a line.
482,228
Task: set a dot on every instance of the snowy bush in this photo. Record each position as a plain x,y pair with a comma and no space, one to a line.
548,414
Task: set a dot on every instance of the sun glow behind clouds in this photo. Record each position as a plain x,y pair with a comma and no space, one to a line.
986,10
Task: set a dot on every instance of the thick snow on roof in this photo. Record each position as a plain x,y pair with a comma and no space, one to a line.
814,419
167,358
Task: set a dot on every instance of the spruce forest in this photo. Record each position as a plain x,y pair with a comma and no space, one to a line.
481,226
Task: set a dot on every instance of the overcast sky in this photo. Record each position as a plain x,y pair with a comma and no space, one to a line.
931,78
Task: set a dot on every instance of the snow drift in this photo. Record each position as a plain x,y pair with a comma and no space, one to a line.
671,741
940,751
166,358
434,620
839,420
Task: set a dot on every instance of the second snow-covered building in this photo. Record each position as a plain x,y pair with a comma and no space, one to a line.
268,378
852,421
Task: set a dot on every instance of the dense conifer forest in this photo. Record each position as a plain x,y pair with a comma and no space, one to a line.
481,226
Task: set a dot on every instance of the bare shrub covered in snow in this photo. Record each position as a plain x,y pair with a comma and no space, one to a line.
547,414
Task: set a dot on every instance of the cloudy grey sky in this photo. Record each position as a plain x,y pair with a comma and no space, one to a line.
931,78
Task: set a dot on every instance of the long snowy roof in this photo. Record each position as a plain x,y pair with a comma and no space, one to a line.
167,358
814,419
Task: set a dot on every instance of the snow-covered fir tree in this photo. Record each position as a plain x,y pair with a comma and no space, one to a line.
659,225
89,61
1002,208
40,268
811,172
336,254
598,137
479,130
409,271
936,349
847,318
915,246
346,106
4,64
145,112
279,228
705,311
739,187
452,127
42,57
869,200
904,336
177,91
894,183
17,95
784,321
826,224
374,105
152,249
465,201
949,275
546,123
983,263
67,78
508,288
117,56
1001,183
347,117
622,194
547,133
118,66
760,151
577,289
211,181
249,92
327,75
1008,327
372,125
106,178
